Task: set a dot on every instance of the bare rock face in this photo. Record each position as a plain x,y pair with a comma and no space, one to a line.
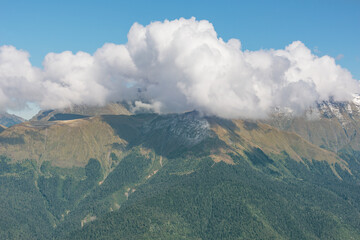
189,128
330,124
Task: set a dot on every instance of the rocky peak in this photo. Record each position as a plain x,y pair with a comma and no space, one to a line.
190,127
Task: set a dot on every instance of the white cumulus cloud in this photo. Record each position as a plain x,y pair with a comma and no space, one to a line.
175,66
19,80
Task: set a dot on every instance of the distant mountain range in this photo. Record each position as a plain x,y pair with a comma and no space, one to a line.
80,111
8,120
104,173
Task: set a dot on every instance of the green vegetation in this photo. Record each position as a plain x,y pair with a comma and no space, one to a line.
229,202
22,209
156,179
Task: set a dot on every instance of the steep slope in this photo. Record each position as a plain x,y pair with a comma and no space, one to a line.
229,202
63,143
8,120
250,181
247,136
150,176
331,125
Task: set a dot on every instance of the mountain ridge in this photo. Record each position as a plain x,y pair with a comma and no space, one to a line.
331,125
83,110
176,176
9,120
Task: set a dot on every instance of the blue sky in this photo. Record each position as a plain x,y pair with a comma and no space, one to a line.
327,27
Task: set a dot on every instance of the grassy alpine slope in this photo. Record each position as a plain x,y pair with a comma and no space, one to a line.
177,176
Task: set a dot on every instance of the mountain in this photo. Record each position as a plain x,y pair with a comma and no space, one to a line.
330,125
2,128
8,120
81,111
177,176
